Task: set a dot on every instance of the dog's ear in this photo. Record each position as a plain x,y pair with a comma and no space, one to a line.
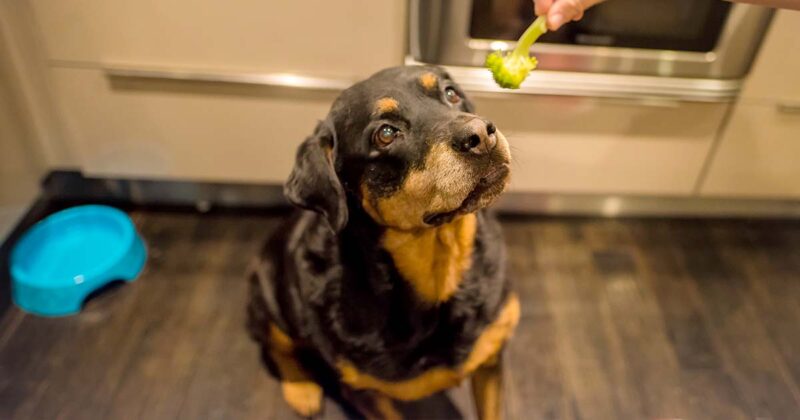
313,183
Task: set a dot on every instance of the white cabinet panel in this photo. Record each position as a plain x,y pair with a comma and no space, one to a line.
584,145
346,38
758,156
159,129
776,72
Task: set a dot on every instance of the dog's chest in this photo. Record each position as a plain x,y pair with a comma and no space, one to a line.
433,261
482,350
381,330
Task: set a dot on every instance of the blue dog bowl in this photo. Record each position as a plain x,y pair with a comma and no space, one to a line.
72,253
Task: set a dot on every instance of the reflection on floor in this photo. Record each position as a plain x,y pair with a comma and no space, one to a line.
621,320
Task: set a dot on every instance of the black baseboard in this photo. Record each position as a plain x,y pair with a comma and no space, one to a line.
73,186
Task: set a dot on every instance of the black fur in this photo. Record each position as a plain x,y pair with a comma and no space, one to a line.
324,279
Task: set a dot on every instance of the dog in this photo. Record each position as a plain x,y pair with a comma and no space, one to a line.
392,270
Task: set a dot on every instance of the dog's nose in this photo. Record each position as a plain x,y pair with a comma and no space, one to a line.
477,137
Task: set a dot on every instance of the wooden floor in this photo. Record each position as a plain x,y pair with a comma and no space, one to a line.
621,320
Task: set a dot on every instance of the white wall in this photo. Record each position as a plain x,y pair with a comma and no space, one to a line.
20,162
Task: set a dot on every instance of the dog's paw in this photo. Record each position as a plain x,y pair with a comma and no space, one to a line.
305,397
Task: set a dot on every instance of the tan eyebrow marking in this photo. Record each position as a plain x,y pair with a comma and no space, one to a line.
386,105
428,80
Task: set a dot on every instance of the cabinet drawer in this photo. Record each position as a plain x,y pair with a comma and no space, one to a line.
758,154
184,130
585,145
344,38
776,71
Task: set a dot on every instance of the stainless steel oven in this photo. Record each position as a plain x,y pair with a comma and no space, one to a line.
694,49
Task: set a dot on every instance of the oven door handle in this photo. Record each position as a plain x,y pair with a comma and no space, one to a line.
642,90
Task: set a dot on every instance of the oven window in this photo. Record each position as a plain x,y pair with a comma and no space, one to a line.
683,25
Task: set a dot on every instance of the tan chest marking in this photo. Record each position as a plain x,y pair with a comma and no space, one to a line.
433,260
486,347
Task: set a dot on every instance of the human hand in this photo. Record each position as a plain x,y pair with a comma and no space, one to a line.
559,12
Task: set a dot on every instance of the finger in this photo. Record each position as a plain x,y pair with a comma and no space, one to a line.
542,6
562,12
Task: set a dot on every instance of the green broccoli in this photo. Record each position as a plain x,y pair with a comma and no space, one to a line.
511,69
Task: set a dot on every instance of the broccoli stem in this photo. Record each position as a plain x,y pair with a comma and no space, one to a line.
537,29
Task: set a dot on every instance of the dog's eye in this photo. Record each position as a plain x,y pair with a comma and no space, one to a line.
452,96
385,135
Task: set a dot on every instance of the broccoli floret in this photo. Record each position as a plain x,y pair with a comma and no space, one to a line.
510,69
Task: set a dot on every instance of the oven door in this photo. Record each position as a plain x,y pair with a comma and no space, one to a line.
709,39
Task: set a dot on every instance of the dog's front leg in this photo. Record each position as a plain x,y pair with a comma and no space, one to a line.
487,389
299,389
372,405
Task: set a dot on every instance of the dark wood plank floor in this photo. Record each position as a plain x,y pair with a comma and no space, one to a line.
621,320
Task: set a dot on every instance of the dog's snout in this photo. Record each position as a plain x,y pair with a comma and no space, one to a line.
477,137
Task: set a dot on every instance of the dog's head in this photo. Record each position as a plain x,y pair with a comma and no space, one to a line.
406,146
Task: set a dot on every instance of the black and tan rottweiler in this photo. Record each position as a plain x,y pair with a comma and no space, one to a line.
393,271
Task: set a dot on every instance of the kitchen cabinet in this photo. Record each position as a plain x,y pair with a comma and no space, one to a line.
758,154
184,130
589,145
758,149
344,38
204,130
775,75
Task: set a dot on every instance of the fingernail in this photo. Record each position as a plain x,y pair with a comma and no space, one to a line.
555,21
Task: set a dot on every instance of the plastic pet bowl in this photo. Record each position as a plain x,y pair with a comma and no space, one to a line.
72,253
